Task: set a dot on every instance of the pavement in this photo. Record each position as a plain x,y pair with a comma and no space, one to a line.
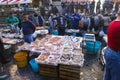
92,70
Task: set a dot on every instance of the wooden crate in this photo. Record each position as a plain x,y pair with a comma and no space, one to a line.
69,72
49,70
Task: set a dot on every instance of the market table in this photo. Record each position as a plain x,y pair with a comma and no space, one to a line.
40,33
71,31
41,28
13,42
12,35
55,52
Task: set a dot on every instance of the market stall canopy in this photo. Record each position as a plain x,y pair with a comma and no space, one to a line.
9,2
75,0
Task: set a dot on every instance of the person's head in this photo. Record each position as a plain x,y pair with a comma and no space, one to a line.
51,14
66,14
11,14
118,13
25,17
36,13
106,14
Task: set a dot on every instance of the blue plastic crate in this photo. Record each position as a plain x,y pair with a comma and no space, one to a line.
34,65
93,47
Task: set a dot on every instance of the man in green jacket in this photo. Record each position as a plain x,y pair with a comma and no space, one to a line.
13,21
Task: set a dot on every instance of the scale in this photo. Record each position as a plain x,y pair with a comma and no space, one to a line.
89,37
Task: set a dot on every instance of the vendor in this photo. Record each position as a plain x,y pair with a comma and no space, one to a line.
28,28
13,22
112,52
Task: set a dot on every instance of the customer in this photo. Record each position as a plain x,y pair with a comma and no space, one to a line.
28,28
37,19
107,20
112,52
52,23
61,24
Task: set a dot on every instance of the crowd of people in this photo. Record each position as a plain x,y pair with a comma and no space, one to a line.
89,6
84,22
72,19
81,21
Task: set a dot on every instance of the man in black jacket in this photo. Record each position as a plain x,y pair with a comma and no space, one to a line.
61,24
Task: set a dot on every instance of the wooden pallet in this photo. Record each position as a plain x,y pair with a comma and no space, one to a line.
49,70
69,72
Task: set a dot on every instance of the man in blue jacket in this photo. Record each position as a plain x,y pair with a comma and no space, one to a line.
28,28
77,18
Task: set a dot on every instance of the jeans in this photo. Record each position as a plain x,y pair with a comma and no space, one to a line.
112,66
28,38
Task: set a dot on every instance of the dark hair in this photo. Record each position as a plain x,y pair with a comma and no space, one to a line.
11,13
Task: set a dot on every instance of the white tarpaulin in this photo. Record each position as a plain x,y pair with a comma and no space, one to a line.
9,2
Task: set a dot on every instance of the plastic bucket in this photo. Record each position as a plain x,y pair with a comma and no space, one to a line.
21,59
93,47
34,65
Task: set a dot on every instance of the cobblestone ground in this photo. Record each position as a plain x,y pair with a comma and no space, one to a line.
92,70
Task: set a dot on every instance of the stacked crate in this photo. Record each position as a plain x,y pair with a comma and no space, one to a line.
69,72
49,70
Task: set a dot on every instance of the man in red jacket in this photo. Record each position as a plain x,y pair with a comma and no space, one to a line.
112,52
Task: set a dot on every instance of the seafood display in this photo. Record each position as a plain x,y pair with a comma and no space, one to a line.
53,59
77,51
42,57
60,50
78,60
67,50
11,41
65,58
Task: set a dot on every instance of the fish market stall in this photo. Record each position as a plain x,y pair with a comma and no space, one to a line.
56,52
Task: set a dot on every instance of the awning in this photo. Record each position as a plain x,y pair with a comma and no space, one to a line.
10,2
